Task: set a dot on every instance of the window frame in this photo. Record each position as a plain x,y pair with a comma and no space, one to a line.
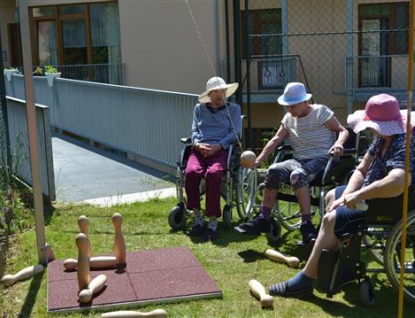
58,18
258,22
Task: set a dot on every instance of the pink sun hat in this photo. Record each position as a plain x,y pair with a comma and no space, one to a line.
381,113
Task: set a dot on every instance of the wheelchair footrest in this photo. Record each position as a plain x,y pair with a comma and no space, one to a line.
327,262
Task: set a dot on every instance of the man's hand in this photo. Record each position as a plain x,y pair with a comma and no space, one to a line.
336,150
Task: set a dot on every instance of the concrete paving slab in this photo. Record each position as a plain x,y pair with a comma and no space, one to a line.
86,173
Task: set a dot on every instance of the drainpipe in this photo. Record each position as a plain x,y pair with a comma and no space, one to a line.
284,26
349,59
248,142
228,49
237,49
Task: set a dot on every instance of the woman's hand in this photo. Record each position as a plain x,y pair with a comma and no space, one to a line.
207,150
349,200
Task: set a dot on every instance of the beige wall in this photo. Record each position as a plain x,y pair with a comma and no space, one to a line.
161,47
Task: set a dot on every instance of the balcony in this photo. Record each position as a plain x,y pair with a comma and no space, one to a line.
268,76
370,75
100,73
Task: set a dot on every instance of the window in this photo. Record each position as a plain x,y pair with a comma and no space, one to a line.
383,33
264,32
391,27
83,39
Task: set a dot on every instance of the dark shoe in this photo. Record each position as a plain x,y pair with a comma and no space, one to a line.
257,225
197,230
210,234
308,232
281,289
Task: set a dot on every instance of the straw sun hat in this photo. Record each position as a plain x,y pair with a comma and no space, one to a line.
217,83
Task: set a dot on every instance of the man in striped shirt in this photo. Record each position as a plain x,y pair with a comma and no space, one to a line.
216,125
312,130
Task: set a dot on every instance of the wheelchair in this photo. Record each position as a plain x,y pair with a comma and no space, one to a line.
379,237
232,187
286,211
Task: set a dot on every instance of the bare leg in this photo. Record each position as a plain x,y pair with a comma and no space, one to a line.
303,197
269,197
326,239
329,199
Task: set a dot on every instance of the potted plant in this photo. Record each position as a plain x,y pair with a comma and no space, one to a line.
51,72
39,71
9,71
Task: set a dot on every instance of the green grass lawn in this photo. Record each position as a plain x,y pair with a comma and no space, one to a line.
231,261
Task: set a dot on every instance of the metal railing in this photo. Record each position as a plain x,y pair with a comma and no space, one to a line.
100,73
369,75
19,144
142,123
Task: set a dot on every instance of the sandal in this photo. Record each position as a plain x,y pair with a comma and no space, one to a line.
281,289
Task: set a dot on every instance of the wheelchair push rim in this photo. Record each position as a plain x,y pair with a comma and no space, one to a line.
392,257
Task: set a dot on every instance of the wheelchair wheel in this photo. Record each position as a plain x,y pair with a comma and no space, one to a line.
227,216
177,217
274,233
245,191
392,257
367,295
375,242
289,213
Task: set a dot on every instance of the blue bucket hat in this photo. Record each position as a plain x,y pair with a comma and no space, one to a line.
294,93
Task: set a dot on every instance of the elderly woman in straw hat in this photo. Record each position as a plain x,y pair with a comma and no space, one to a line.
381,174
216,125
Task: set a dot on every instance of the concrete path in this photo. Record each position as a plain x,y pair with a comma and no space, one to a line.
85,173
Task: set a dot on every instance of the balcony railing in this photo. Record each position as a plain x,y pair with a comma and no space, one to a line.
100,73
368,75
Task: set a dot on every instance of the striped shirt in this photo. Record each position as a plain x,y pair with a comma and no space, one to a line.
216,125
308,135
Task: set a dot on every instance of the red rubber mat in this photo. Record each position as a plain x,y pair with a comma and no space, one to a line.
151,276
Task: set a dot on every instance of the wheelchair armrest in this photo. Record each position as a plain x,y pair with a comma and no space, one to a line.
282,152
185,140
349,152
284,148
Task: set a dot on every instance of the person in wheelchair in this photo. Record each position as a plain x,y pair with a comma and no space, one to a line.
216,125
381,174
312,130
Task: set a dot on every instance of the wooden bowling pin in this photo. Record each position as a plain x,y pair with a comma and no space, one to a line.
259,292
49,253
83,224
158,313
85,295
22,274
95,262
281,258
119,243
83,273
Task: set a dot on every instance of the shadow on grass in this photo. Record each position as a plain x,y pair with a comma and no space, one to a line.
251,256
224,238
30,300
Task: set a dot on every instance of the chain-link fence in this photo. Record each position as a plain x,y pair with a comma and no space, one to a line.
344,51
5,194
